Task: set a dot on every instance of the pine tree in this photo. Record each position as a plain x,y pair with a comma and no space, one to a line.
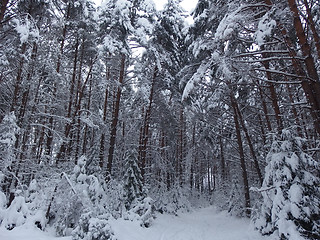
290,191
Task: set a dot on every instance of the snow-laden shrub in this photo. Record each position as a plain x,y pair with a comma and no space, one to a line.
16,214
115,198
221,195
66,208
291,192
92,227
133,187
8,131
142,211
35,197
75,194
139,207
171,201
26,208
3,199
235,203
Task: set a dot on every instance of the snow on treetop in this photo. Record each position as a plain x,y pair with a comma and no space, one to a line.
265,27
148,5
26,30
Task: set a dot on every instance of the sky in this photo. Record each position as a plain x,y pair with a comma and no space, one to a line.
188,5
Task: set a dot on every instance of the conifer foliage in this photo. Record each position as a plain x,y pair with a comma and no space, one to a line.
133,186
291,192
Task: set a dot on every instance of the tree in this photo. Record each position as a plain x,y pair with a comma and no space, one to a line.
8,132
290,191
133,186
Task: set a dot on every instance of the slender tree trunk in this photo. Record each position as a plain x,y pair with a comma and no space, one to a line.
145,132
265,109
181,146
84,145
62,152
18,78
3,9
115,116
241,155
310,86
245,130
263,134
273,94
105,106
294,110
312,25
51,120
308,60
222,160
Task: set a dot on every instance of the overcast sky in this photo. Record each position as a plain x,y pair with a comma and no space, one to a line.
188,5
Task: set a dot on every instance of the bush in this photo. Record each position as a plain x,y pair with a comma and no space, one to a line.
91,227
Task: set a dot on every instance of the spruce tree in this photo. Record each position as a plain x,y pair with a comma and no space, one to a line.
290,191
133,186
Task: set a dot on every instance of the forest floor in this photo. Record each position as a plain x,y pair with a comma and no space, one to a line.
200,224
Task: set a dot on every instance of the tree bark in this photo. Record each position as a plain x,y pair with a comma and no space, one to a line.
312,25
146,126
113,130
3,9
311,86
102,140
69,125
49,142
18,79
253,154
273,94
241,155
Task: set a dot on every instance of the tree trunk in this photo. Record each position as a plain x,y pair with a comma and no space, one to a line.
102,140
313,77
18,78
312,25
62,152
84,144
310,86
241,155
273,94
253,154
3,9
49,142
265,109
145,128
113,130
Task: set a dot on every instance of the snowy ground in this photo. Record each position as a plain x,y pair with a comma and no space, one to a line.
203,224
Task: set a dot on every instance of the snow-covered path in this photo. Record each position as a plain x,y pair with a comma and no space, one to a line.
203,224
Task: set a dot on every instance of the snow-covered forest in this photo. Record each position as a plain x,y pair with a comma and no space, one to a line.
126,114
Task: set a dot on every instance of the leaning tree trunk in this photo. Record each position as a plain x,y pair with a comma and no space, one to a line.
241,155
308,59
253,154
310,81
312,25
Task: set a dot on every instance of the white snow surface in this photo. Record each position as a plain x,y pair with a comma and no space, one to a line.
201,224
